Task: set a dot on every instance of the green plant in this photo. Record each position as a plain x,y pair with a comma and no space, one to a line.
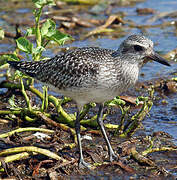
44,34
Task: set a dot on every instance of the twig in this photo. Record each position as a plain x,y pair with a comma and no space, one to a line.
25,129
25,95
140,158
147,151
45,99
32,149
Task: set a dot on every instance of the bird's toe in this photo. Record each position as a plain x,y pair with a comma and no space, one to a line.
113,157
83,164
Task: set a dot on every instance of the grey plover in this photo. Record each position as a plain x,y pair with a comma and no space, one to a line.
92,74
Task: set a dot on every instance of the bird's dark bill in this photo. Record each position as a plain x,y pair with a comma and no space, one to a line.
156,57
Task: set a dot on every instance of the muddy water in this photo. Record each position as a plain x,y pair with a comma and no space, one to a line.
162,117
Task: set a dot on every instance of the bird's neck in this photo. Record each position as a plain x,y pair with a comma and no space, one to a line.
130,71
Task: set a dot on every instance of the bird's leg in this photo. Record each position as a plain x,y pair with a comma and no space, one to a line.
82,163
112,155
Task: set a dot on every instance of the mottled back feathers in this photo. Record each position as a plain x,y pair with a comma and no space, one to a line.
69,69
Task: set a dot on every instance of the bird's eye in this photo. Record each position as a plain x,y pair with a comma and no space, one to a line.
138,48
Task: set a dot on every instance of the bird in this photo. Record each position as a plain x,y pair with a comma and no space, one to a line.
93,74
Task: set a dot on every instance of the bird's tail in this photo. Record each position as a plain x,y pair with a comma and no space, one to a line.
14,64
27,68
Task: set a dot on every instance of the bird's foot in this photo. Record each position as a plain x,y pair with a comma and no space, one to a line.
83,164
113,157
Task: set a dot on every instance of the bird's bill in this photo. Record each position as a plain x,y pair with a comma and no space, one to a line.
156,57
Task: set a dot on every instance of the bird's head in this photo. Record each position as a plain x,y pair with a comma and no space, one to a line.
140,49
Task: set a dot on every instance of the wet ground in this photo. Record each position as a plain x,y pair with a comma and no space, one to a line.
162,29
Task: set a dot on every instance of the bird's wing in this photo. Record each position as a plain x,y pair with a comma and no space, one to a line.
73,68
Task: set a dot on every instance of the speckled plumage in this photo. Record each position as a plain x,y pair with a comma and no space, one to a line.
93,74
88,74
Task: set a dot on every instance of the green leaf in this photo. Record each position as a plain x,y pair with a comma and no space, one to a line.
59,37
11,57
8,57
41,3
49,32
18,73
24,45
116,101
31,31
48,28
1,34
11,101
137,101
38,50
174,79
141,98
